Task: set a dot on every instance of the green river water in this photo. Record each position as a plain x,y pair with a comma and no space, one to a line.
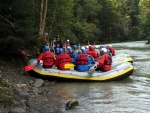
131,95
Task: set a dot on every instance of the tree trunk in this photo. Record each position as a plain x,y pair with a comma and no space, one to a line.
54,16
44,16
41,17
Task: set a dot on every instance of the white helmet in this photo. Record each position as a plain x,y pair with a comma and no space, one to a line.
82,47
68,47
87,47
104,50
110,45
67,40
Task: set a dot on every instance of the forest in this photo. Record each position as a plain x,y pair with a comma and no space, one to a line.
23,22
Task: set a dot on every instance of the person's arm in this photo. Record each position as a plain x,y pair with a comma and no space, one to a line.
39,58
56,61
75,57
101,61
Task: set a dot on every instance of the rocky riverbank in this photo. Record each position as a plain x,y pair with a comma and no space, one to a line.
22,93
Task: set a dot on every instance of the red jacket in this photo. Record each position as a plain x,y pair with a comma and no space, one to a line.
91,52
61,60
48,59
67,45
112,51
104,62
82,59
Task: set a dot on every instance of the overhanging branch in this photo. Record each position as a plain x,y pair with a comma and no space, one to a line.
8,21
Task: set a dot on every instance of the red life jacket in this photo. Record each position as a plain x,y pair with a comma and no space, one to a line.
48,58
92,53
67,44
112,50
64,58
108,60
82,59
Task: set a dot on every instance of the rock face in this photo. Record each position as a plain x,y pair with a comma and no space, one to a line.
29,94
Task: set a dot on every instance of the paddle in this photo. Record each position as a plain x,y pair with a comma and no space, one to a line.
72,65
29,67
69,65
90,72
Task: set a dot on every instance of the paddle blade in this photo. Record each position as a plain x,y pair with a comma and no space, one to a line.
69,65
90,72
29,67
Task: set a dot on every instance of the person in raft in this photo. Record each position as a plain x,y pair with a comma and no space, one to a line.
92,52
83,61
105,61
72,54
62,59
47,57
57,52
112,50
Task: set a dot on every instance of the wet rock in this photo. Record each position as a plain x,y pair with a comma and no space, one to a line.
20,95
17,110
21,85
40,104
22,71
71,104
38,83
31,82
36,90
148,42
46,83
49,91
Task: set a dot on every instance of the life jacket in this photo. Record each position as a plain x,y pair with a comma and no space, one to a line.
67,44
92,53
82,59
48,57
112,50
64,58
108,60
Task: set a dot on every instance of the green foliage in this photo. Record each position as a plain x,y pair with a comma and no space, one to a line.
7,97
16,24
77,20
144,18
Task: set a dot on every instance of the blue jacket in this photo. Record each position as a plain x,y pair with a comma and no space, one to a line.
83,68
74,55
92,60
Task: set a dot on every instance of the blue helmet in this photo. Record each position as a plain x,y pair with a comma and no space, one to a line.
103,46
57,49
94,47
74,46
69,49
61,50
84,51
46,48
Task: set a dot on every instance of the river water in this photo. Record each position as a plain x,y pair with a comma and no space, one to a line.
131,95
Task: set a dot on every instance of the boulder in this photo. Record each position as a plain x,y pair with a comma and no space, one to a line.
38,83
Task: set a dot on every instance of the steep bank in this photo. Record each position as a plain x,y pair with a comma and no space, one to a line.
26,93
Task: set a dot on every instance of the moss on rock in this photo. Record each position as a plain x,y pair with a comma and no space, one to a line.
7,97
